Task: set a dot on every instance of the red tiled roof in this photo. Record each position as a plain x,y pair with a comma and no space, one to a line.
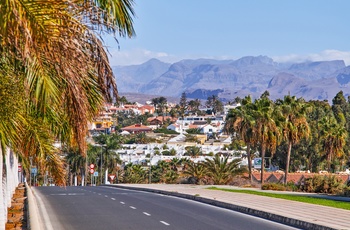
137,127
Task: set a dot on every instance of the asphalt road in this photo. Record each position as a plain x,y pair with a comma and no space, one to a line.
99,208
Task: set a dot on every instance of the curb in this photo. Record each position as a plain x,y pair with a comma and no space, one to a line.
33,212
254,212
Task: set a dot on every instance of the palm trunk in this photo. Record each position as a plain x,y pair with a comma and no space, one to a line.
106,176
249,163
262,164
287,162
329,162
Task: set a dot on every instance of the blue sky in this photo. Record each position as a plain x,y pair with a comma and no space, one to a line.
285,30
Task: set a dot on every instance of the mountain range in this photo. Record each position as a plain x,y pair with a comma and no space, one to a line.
229,79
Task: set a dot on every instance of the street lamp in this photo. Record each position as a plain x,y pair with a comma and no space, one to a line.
150,170
101,165
150,173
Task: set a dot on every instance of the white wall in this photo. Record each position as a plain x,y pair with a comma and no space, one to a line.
8,183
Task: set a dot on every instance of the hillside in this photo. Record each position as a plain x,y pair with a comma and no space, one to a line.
231,78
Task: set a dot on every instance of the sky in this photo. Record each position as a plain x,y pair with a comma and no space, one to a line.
285,30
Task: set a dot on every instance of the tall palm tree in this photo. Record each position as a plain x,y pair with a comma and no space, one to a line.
108,144
76,162
333,138
194,105
294,124
54,53
266,131
220,171
240,120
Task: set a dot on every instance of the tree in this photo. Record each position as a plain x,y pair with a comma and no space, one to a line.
108,145
220,171
76,163
193,151
266,131
241,121
160,104
293,123
194,105
183,105
333,138
134,174
215,104
54,51
195,171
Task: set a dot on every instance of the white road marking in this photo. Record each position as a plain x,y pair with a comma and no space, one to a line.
67,194
147,214
113,198
122,202
165,223
132,207
106,196
100,194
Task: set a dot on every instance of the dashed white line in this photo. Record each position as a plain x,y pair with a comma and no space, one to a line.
100,194
106,196
165,223
132,207
113,198
122,202
147,214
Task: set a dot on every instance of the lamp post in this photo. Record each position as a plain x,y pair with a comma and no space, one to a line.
150,170
150,173
101,171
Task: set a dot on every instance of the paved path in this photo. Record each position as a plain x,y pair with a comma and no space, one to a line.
297,214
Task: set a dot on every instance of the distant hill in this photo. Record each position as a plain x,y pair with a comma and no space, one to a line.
231,78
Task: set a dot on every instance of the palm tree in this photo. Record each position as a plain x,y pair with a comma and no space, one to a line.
174,164
333,138
109,143
220,171
195,171
214,102
240,120
76,164
266,131
134,174
193,151
59,62
194,105
294,124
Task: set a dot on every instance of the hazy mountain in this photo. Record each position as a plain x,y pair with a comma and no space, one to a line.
231,78
131,78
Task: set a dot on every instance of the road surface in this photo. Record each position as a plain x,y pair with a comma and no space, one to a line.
99,208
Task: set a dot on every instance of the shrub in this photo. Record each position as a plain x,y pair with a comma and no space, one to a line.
323,184
165,131
166,153
273,186
346,191
291,186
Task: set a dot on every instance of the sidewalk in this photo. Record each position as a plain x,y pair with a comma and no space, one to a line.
293,213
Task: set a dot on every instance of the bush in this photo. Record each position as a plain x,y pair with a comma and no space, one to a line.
165,131
346,191
291,186
273,186
323,184
166,153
